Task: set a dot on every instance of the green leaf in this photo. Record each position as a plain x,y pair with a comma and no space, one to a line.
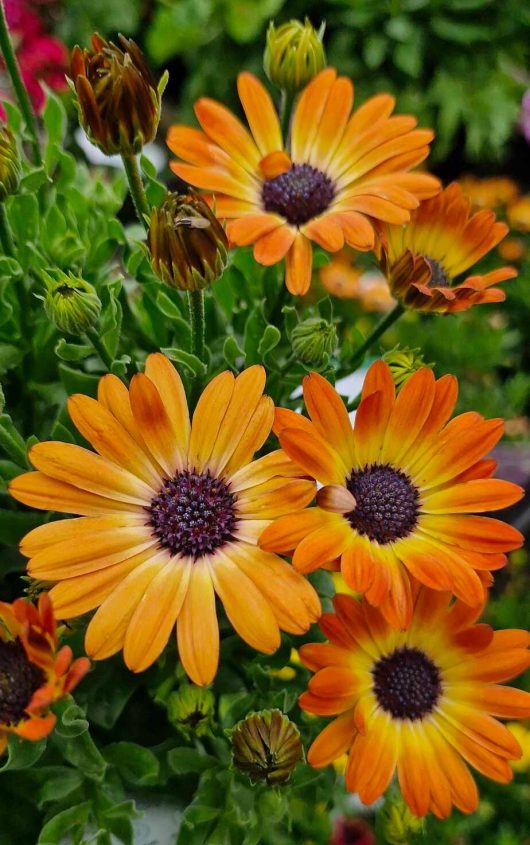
22,754
82,753
184,761
233,706
56,782
54,118
32,181
12,442
75,381
233,354
166,305
10,357
24,217
270,339
136,765
191,362
65,822
72,351
71,719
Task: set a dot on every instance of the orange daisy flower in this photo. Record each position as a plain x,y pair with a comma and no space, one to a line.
170,515
424,259
336,174
33,672
420,702
400,490
343,279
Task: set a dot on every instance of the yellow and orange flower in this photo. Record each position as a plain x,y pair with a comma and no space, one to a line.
421,702
339,171
343,279
424,259
33,671
490,192
170,515
400,491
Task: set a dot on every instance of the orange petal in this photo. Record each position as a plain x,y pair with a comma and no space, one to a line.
226,130
298,266
154,423
39,491
197,628
320,460
251,227
285,533
322,546
308,113
271,248
168,382
333,741
326,231
329,416
260,113
480,495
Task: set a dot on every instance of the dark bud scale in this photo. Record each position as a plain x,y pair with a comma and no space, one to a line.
193,514
299,194
407,684
387,503
19,679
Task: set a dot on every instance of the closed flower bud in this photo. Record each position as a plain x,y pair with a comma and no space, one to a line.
191,710
9,164
404,363
187,244
71,304
313,341
294,54
267,746
117,97
398,825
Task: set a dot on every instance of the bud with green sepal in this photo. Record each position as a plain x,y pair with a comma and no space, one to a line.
71,303
9,164
313,341
191,710
396,824
267,746
187,244
404,363
294,54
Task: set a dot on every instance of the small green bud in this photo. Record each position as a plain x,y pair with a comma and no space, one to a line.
267,746
313,341
71,304
404,363
190,709
187,244
294,54
398,825
9,164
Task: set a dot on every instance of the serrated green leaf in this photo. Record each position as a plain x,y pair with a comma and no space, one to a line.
22,754
233,354
65,822
269,341
136,765
72,351
191,362
11,441
185,761
71,719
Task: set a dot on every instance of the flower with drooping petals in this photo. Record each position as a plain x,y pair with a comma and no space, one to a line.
401,491
338,172
421,702
170,515
34,672
425,260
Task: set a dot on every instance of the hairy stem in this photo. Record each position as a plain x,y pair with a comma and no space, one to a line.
136,188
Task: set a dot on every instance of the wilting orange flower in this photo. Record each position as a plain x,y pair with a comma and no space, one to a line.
336,174
424,259
492,192
171,512
400,490
343,279
33,672
420,701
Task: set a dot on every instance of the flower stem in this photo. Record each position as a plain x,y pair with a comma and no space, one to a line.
136,188
286,107
196,304
6,238
20,89
99,347
388,320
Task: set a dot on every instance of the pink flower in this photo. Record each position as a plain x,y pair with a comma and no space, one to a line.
352,832
525,115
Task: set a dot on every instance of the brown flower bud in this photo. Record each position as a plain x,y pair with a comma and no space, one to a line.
188,245
117,97
267,746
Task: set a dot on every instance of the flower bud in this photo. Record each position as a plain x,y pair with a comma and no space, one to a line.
117,97
9,164
191,710
188,245
313,340
398,825
71,304
294,54
404,363
267,746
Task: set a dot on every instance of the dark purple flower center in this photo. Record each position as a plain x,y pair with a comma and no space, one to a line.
439,277
193,514
19,679
387,503
299,194
407,684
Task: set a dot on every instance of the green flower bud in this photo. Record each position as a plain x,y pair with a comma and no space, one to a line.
71,304
398,825
294,54
313,340
267,746
404,363
190,709
117,97
9,164
187,244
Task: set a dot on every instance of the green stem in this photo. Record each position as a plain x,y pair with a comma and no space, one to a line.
136,188
286,107
379,330
6,237
99,347
20,89
196,304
